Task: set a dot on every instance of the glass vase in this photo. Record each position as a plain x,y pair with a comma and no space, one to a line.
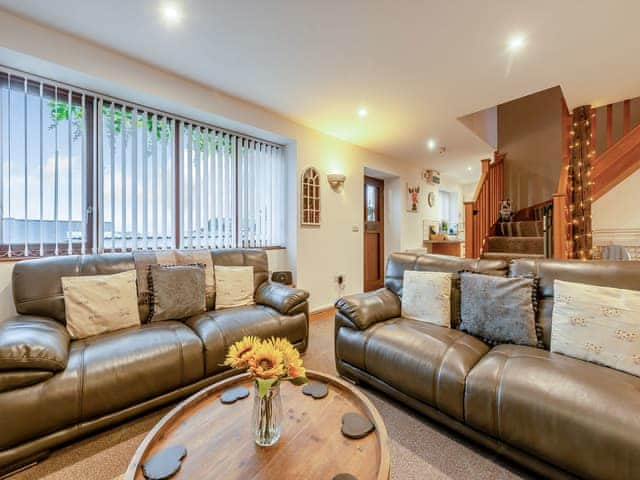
267,416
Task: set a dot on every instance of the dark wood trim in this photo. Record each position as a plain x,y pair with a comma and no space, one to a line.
237,193
609,125
176,181
626,117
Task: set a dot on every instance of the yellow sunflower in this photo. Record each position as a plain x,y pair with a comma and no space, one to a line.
290,357
240,352
266,362
289,352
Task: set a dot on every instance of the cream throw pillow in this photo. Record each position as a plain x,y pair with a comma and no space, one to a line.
426,296
597,324
101,303
234,286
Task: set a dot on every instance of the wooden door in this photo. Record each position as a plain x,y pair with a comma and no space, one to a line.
373,233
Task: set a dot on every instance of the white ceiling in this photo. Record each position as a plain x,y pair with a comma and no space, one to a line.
416,65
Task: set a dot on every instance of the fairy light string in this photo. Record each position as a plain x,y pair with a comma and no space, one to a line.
580,183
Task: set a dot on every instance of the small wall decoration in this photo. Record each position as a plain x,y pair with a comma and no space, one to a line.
412,198
431,177
431,199
310,204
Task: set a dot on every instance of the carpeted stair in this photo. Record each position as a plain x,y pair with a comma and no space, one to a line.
522,239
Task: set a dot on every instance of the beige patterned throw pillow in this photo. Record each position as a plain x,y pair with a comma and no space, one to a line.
597,324
100,303
426,297
234,286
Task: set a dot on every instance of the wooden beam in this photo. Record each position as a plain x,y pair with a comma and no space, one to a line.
609,125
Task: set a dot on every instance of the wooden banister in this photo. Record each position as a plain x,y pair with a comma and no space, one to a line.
616,163
483,211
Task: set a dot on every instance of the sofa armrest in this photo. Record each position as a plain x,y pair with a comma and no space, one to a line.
34,343
365,309
279,296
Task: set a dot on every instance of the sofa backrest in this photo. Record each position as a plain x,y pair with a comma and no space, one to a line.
603,273
37,288
399,262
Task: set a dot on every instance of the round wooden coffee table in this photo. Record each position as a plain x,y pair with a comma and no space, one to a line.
220,445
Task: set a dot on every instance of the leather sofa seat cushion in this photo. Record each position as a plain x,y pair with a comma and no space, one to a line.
221,328
427,362
576,415
126,367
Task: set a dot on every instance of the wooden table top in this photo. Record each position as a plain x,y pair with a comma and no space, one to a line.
220,445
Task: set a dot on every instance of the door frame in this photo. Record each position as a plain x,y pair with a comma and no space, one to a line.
379,182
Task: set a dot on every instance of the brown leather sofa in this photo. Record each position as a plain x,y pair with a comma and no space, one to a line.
53,390
558,416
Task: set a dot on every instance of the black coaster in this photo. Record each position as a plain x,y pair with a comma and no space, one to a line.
356,426
164,464
344,476
234,394
316,390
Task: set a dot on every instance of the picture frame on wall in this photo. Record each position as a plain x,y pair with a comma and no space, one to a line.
413,196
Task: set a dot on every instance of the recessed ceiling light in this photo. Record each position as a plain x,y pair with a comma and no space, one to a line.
171,13
469,168
431,144
362,112
516,43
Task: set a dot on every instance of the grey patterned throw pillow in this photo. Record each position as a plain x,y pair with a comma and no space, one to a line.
176,291
499,309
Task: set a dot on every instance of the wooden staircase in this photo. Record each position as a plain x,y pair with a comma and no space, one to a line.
524,237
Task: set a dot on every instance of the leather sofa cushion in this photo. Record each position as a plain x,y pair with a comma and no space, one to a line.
221,328
576,415
123,368
399,262
602,273
28,342
425,361
37,289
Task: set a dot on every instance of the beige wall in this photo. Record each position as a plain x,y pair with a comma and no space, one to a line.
316,255
530,133
616,216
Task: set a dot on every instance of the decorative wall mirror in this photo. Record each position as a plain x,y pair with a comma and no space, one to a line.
310,192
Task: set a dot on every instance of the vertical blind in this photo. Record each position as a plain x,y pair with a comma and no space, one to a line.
81,173
208,179
42,167
260,194
136,168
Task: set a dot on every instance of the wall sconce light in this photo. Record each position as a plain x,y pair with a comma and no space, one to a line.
336,180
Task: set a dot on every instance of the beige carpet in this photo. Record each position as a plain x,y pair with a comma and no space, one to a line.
420,449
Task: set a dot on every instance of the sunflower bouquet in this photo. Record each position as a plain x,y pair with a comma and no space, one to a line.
268,361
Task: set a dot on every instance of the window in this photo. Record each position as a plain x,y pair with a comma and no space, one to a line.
310,197
208,188
82,173
449,212
137,187
42,168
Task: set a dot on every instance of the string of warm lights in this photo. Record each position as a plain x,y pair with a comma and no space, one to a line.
580,184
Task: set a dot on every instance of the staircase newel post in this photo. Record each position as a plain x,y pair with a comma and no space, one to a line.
468,230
